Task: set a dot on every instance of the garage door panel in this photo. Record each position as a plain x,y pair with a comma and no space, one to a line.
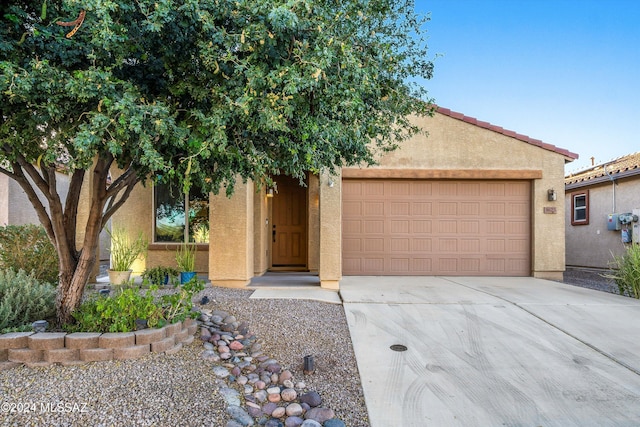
374,265
373,226
373,209
372,245
421,226
404,227
421,208
399,226
421,246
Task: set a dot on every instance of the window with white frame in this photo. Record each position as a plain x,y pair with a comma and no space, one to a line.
180,217
580,208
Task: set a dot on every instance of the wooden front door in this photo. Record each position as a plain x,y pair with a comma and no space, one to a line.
289,225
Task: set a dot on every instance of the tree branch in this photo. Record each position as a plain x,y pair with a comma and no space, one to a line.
19,176
126,185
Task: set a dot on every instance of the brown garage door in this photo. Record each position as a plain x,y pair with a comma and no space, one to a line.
429,227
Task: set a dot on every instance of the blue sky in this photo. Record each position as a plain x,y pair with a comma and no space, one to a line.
566,72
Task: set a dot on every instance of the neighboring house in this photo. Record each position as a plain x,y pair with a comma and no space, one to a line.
596,202
16,209
469,199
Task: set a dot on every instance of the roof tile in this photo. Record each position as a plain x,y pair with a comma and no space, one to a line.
630,162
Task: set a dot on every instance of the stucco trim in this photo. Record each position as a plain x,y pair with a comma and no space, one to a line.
442,173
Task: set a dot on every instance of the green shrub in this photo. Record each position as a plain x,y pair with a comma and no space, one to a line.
118,313
177,306
157,275
626,272
28,247
24,299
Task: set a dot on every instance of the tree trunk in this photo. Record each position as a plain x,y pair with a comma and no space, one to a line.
73,279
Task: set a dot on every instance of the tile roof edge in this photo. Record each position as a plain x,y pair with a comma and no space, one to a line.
506,132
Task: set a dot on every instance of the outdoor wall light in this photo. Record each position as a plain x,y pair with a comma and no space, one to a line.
272,190
330,183
551,195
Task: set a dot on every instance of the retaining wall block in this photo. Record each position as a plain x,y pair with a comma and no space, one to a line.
9,365
176,348
25,355
61,355
46,340
188,340
96,354
133,352
14,340
82,340
117,340
173,328
163,345
182,335
147,336
193,329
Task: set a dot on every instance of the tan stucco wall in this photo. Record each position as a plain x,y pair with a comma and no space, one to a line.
231,247
592,245
240,226
313,229
452,144
330,268
261,229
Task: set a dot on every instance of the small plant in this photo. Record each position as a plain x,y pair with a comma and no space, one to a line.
117,313
158,275
28,248
124,250
120,312
24,299
626,272
186,257
177,306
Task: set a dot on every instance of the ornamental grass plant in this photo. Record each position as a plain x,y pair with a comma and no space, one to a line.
626,271
125,250
186,257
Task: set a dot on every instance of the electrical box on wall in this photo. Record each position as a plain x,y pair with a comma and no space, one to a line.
613,223
635,228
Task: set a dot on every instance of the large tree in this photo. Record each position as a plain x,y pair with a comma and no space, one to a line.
198,90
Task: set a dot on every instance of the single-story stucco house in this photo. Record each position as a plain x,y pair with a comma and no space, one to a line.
469,199
600,205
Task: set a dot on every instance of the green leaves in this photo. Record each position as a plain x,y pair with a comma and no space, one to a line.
228,88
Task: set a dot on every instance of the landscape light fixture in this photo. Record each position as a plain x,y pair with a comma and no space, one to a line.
39,326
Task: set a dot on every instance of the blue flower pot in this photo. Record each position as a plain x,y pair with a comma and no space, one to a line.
186,276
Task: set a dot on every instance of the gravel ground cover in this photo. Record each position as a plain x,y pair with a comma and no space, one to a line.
181,390
588,278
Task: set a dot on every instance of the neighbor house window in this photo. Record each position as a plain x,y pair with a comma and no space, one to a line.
180,217
580,208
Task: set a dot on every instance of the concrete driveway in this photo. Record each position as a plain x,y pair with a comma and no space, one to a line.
494,352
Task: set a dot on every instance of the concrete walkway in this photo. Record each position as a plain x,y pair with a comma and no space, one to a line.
494,352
